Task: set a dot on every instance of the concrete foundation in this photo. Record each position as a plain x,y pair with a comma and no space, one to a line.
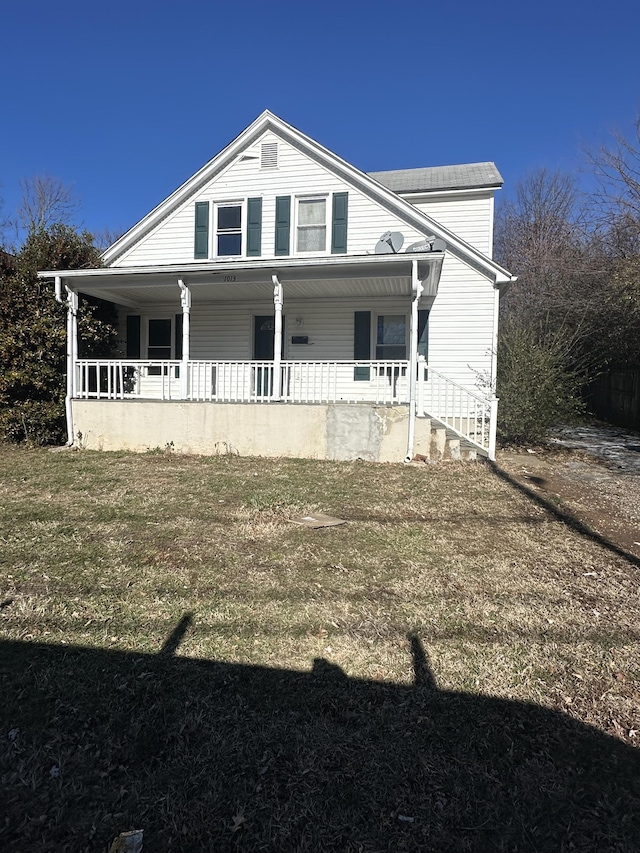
321,431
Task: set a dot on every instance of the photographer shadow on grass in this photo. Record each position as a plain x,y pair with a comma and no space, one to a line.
212,756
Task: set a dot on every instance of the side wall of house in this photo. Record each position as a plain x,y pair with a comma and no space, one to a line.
469,215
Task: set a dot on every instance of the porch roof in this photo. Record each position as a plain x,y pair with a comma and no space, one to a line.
246,279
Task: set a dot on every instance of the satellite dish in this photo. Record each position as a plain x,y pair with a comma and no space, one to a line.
421,246
427,244
390,243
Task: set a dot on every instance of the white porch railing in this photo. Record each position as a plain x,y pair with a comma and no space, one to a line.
125,379
469,414
382,382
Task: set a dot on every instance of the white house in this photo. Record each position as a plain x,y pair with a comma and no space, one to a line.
282,302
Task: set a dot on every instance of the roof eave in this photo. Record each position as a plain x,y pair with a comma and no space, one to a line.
267,264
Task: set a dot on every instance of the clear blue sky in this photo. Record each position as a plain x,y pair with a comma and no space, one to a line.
126,100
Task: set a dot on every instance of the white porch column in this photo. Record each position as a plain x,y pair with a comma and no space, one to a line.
277,339
185,301
72,357
416,289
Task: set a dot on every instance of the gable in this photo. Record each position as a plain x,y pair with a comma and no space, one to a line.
300,184
297,177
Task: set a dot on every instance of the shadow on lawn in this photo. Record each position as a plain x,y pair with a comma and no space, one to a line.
214,756
563,515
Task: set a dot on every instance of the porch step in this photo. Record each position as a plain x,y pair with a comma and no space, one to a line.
446,444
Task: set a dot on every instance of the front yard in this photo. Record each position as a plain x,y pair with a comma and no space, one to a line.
177,656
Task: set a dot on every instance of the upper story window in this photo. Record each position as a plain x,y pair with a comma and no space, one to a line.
312,225
229,229
236,229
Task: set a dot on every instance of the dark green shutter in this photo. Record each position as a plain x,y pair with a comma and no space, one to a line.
177,336
339,223
201,249
362,344
423,337
283,224
423,334
133,336
254,227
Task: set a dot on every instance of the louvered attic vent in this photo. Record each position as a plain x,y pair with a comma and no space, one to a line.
269,155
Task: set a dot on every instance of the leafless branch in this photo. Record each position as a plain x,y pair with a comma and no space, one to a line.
105,237
45,201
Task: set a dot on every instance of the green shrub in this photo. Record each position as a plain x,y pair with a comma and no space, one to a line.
33,334
536,385
34,422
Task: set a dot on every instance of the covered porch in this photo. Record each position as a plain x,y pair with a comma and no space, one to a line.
285,327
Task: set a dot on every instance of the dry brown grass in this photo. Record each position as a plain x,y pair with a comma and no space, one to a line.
104,554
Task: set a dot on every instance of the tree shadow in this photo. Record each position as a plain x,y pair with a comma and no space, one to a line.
562,514
213,756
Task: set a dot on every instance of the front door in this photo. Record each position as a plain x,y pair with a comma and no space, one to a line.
263,337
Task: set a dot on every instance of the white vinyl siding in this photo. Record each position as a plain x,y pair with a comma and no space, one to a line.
461,324
468,216
171,242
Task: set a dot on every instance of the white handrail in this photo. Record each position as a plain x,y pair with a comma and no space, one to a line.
469,414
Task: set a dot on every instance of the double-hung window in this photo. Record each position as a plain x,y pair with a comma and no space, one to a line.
158,343
312,225
391,337
228,229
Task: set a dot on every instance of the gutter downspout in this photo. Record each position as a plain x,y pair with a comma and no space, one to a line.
185,301
277,339
416,288
493,415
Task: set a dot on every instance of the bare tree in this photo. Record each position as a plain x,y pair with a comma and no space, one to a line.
540,235
45,201
617,198
5,225
105,237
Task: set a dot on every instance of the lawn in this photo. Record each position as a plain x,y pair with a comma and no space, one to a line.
454,669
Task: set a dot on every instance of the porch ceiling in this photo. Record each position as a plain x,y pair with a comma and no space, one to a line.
242,280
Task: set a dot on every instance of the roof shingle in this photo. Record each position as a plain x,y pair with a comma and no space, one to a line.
464,176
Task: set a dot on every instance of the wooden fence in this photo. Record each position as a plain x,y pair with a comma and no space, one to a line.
615,396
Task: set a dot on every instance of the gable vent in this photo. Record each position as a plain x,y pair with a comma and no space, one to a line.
269,155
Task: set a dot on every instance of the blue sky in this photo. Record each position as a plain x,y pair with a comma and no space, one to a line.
126,100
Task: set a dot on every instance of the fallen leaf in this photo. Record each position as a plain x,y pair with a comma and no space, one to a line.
237,820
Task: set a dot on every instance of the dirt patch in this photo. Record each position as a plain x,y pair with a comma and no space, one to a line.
604,498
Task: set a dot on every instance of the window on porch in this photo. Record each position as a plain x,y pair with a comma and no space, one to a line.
159,343
391,337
